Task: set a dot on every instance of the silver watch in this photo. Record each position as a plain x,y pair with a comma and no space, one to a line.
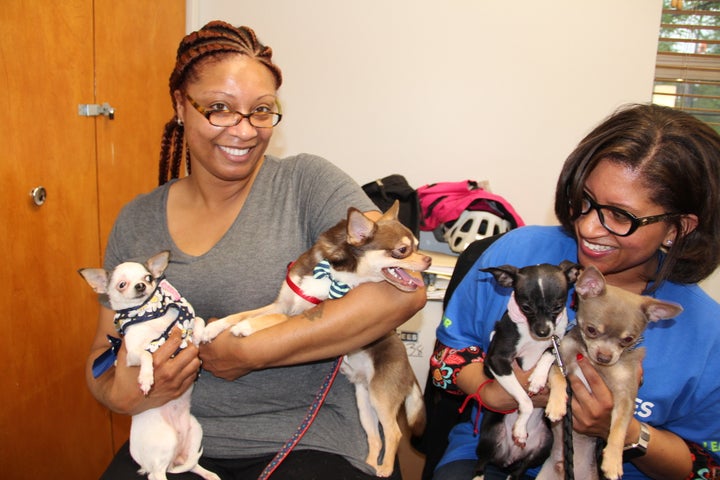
639,448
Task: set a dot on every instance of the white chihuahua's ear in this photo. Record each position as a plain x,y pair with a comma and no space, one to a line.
157,264
660,310
97,278
590,283
359,227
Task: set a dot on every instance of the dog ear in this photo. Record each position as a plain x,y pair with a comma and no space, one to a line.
504,275
660,310
359,227
97,278
572,270
392,212
590,283
157,264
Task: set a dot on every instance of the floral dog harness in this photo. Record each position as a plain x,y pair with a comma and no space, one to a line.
158,304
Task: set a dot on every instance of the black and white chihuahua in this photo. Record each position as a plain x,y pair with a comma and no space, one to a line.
536,312
355,251
166,438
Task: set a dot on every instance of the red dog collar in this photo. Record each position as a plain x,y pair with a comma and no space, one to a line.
295,288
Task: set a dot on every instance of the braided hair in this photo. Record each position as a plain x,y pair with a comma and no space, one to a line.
214,40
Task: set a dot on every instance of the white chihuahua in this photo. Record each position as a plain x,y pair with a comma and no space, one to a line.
166,438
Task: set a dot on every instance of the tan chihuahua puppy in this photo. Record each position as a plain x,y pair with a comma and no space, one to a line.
610,324
355,251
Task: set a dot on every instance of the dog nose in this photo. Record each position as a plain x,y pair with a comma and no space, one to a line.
603,358
542,331
140,287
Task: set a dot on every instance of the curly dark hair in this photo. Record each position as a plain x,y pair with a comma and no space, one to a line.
213,41
678,158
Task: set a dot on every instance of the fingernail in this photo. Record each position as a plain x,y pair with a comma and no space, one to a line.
579,356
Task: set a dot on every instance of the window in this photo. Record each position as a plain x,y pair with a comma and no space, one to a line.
687,69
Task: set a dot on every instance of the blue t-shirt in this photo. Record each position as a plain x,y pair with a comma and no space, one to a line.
681,388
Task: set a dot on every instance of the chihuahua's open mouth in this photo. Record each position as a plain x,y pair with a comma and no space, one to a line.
400,278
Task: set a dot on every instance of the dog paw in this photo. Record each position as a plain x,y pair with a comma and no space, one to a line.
535,387
146,383
555,411
242,329
198,331
383,471
212,330
520,436
537,382
520,442
556,407
611,466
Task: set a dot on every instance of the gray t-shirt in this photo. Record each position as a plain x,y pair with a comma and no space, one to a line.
291,202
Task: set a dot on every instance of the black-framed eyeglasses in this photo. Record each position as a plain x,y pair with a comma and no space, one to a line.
618,221
228,118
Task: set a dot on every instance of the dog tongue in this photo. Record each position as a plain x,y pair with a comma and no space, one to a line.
407,278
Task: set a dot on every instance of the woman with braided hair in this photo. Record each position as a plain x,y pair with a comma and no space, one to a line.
232,224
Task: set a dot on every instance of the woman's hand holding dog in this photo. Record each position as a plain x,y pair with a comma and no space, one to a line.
221,357
668,455
173,374
591,409
493,394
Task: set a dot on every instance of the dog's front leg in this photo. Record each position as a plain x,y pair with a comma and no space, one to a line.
213,329
539,376
613,452
255,324
525,407
145,378
198,330
556,407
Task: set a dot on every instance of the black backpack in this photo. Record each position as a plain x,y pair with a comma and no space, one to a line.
384,191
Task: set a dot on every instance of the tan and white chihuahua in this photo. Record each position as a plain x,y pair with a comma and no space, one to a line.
166,438
355,251
610,324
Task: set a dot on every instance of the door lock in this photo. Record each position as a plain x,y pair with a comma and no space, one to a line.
95,110
38,194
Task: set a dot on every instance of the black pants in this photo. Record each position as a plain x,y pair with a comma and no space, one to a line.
465,470
298,465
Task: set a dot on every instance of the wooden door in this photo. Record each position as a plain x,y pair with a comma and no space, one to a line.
50,426
136,54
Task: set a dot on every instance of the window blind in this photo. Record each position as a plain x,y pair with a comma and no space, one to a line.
687,68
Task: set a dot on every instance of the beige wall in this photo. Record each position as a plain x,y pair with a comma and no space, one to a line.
451,90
